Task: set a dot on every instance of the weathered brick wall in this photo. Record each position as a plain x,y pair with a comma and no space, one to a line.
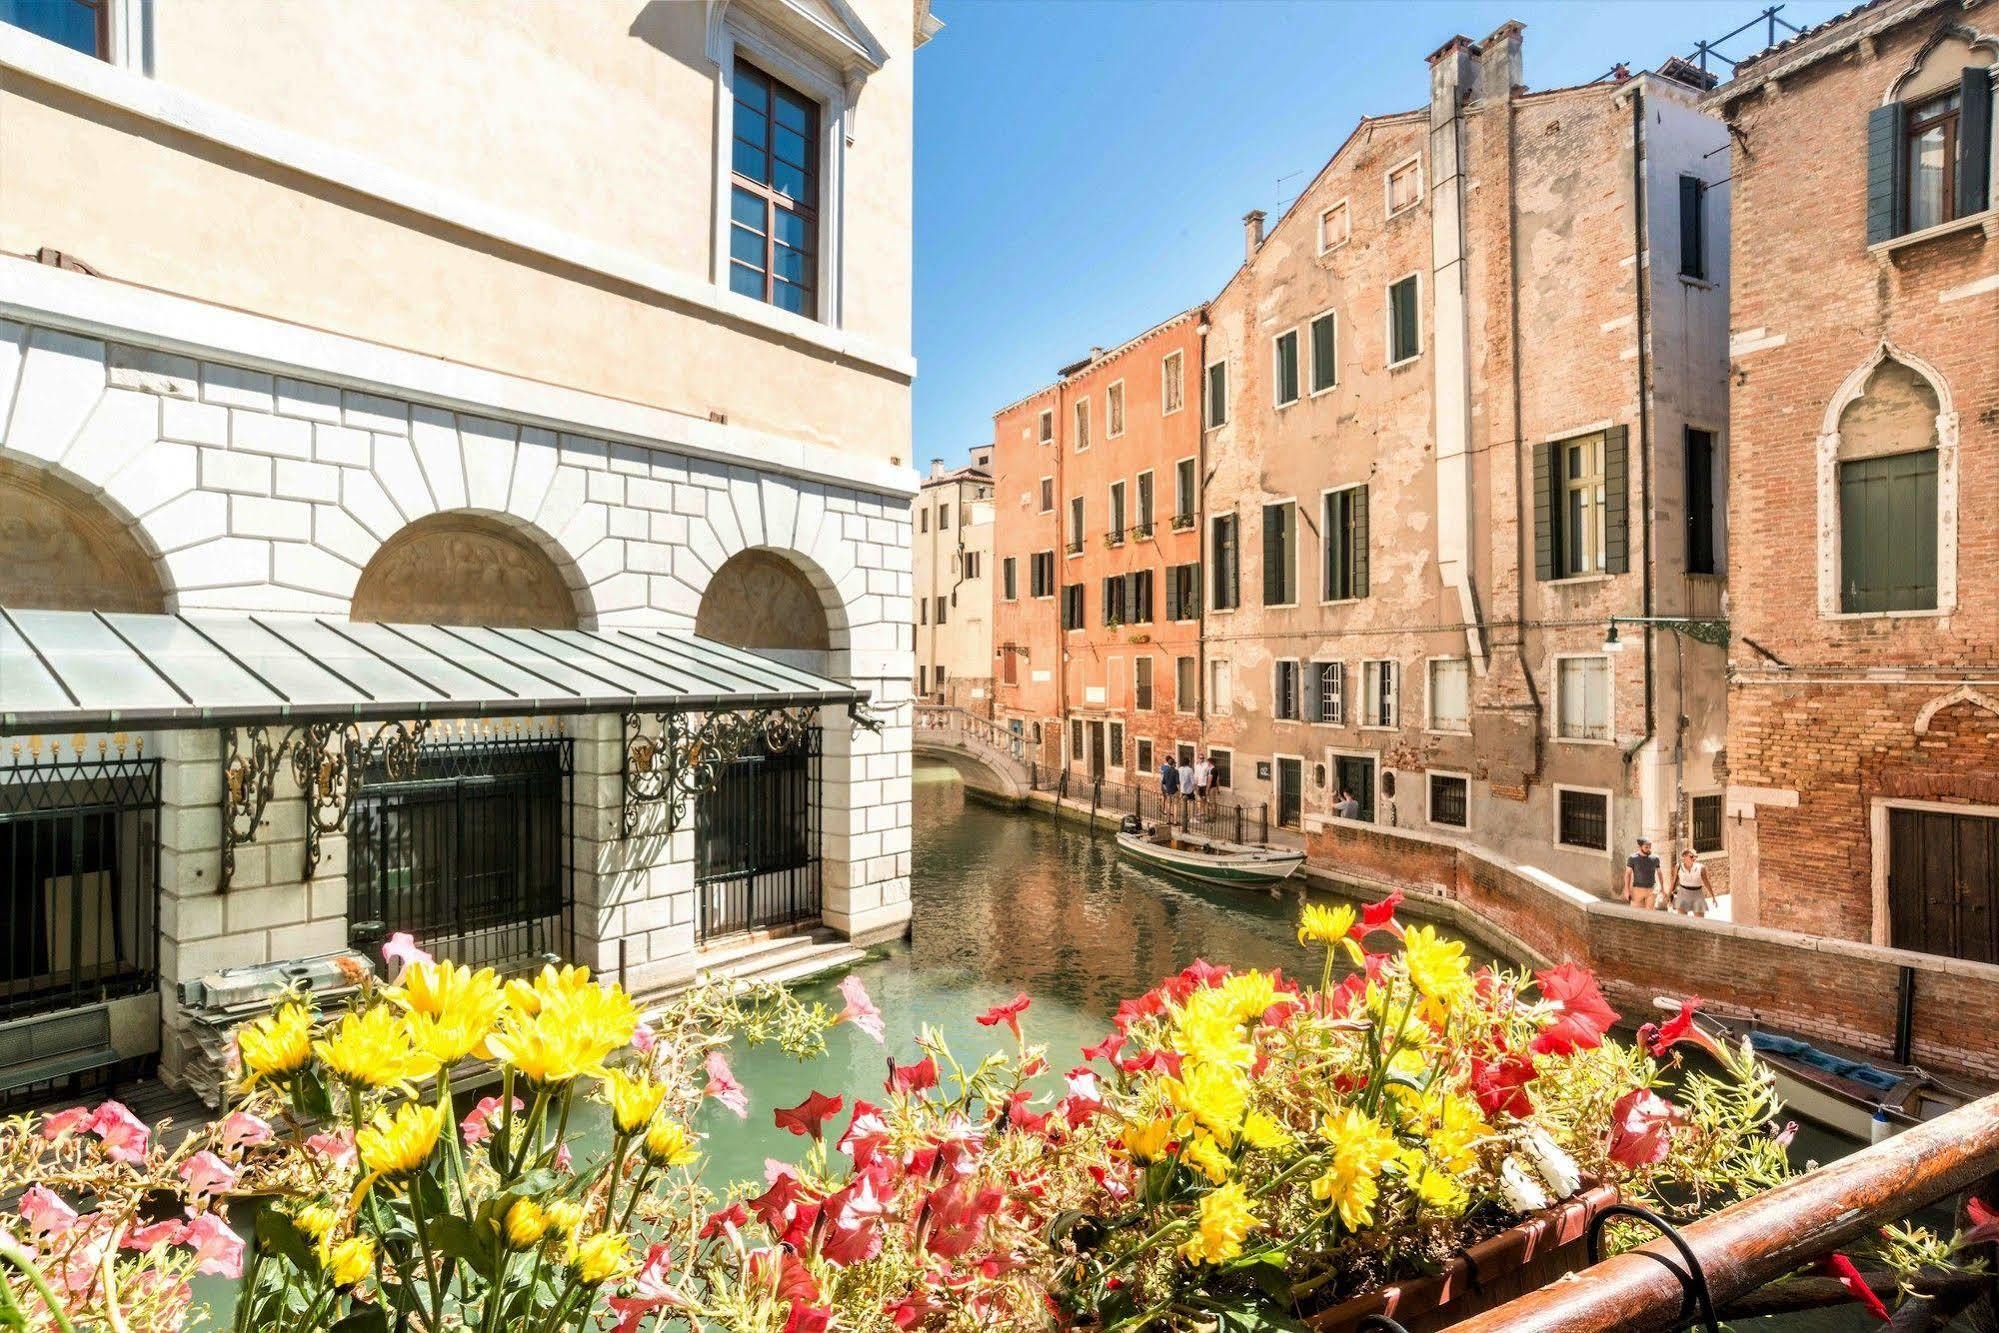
1828,988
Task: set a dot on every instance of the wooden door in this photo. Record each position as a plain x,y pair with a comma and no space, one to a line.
1290,791
1942,895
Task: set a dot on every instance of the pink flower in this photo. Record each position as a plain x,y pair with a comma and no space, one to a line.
860,1010
865,1135
652,1289
167,1232
644,1039
1008,1013
1641,1128
124,1134
206,1174
218,1251
476,1127
1581,1014
722,1086
563,1161
45,1213
65,1122
402,951
242,1130
337,1147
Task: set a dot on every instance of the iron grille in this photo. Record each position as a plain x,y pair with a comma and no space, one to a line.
469,853
1585,820
79,862
1447,800
1707,823
756,842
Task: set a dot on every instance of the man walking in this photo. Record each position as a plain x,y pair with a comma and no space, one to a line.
1691,895
1169,777
1641,877
1187,781
1204,779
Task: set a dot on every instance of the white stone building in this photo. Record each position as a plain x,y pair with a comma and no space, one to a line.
954,591
531,420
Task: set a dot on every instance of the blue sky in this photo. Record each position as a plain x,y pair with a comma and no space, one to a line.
1082,166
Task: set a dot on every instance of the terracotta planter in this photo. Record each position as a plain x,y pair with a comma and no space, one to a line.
1518,1260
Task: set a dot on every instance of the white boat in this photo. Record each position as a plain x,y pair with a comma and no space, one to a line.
1199,857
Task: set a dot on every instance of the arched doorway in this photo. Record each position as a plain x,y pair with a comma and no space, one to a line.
464,569
62,550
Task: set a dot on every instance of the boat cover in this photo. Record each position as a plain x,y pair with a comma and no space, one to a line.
1854,1071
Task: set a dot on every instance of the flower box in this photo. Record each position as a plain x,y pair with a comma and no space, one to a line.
1526,1256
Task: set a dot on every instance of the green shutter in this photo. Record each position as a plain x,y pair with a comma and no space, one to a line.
1273,555
1616,502
1358,554
1887,531
1544,512
1887,173
1974,141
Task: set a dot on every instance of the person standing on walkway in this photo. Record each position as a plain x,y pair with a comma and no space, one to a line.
1691,894
1169,777
1187,781
1204,780
1641,877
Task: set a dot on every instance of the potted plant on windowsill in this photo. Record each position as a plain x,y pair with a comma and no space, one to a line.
1141,637
1114,537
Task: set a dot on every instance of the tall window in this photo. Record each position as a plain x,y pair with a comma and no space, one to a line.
1405,322
1582,505
1047,428
1144,520
1183,493
774,194
1186,685
1141,683
1082,425
1379,693
1114,411
1345,535
1072,606
1222,550
1144,748
1075,524
1582,699
1280,571
1930,162
81,25
1284,367
1705,822
1284,692
1116,530
1172,383
1325,352
1048,495
1218,394
1932,153
1221,686
1450,694
1115,611
1703,542
1888,533
1009,579
1139,596
1041,574
941,603
943,517
923,520
1326,693
1693,227
1183,592
1116,746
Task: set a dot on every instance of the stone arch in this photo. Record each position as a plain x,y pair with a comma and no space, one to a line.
63,549
1963,694
1891,391
468,567
772,600
1959,43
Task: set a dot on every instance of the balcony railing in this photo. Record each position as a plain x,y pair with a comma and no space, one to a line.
1075,546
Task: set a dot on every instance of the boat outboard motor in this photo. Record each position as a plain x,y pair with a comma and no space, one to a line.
1131,824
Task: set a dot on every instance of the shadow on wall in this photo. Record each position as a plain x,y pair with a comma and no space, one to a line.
675,29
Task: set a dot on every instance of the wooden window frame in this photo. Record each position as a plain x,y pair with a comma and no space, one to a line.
1215,565
1277,398
1009,579
1594,544
1370,693
1180,702
1114,410
1078,515
1144,503
1917,127
1388,207
1079,420
1291,555
1391,361
773,199
1326,536
1187,498
1430,665
1346,226
1045,426
1610,699
1172,382
1144,685
1209,419
1277,713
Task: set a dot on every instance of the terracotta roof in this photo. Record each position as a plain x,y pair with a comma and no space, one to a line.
1817,42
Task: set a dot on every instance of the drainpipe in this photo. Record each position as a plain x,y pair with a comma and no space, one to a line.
1061,565
1201,528
1642,276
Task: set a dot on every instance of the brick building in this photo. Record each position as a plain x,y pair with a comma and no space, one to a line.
1863,746
1097,598
954,598
1464,404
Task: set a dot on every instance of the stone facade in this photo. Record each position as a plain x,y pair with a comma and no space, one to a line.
1849,346
954,585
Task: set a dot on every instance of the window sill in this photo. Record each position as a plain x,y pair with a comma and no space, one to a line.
1584,848
1698,284
1321,393
1341,601
1374,726
1987,220
1288,402
1447,731
1573,580
1404,363
1929,613
1584,740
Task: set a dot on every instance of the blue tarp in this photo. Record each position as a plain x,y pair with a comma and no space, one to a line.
1854,1071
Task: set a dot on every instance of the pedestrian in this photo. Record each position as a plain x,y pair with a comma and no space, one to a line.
1348,805
1204,779
1641,877
1691,894
1169,777
1187,779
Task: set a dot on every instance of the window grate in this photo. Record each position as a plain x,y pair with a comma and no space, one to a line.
1706,821
1448,801
1584,820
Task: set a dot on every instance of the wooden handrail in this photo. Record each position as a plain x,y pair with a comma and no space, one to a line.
1769,1235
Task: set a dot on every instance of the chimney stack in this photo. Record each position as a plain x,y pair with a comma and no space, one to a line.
936,467
1500,68
1252,234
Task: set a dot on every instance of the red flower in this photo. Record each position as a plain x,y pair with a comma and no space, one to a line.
808,1319
1984,1222
912,1078
865,1135
1131,1011
912,1310
1379,916
810,1114
1167,1062
1501,1085
1019,1117
1204,973
1106,1049
1657,1039
1841,1267
1641,1127
735,1215
774,1204
1008,1013
1581,1015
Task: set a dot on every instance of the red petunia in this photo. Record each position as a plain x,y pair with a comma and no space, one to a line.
807,1117
1581,1014
912,1078
1839,1266
1379,916
1657,1039
1008,1013
735,1215
1105,1050
1019,1117
1204,973
1984,1222
1501,1085
1641,1127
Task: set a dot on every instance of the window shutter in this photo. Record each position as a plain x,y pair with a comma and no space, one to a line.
1359,553
1544,512
1974,142
1273,555
1692,261
1887,173
1616,502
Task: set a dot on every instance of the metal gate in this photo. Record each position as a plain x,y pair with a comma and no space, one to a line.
756,842
468,852
79,883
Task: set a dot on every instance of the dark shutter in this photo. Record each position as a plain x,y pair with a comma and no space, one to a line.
1700,503
1544,512
1974,142
1693,243
1887,173
1359,549
1276,554
1616,502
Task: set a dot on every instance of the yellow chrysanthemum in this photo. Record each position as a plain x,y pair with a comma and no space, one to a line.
1210,1035
1213,1096
572,1029
563,1219
316,1220
1361,1148
1249,994
1457,1131
1148,1142
1437,966
1262,1132
526,1224
452,1010
347,1262
633,1097
1434,1188
1206,1156
397,1146
522,997
1225,1219
669,1144
1320,924
372,1048
278,1044
600,1257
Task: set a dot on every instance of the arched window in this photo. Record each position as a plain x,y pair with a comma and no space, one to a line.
463,569
62,550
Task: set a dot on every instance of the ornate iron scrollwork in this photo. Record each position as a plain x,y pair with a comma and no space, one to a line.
685,755
864,717
249,767
324,757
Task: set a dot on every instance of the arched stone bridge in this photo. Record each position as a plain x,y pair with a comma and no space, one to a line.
990,758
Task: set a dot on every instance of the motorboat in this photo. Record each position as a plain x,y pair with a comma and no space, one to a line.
1212,860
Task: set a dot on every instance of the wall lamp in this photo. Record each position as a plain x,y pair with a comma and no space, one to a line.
1714,632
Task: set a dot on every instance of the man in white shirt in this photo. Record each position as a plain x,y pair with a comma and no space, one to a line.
1204,779
1187,781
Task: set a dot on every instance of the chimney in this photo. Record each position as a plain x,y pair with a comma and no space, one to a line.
936,467
1453,82
1252,234
1499,68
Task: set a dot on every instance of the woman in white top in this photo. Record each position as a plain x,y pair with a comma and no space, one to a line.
1691,894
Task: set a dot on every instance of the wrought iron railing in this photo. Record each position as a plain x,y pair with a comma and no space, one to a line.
756,842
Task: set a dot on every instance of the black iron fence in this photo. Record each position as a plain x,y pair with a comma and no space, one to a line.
469,852
79,883
756,843
1218,814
